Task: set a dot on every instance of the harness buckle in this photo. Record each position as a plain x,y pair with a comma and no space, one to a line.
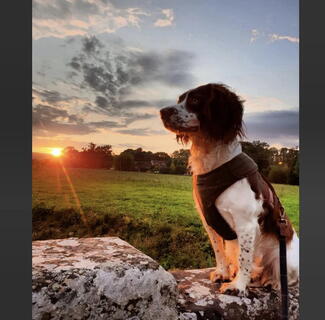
283,226
283,220
283,223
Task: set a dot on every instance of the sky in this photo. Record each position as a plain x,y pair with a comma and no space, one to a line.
102,69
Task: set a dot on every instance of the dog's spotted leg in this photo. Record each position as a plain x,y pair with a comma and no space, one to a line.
246,240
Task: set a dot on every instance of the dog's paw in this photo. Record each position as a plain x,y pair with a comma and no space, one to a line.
217,276
233,288
270,283
255,281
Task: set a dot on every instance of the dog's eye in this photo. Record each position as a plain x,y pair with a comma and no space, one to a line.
194,100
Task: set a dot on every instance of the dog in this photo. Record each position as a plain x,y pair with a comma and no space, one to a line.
210,117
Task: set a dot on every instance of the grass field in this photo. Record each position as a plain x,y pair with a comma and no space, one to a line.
153,212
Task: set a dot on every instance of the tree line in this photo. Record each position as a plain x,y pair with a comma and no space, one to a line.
279,165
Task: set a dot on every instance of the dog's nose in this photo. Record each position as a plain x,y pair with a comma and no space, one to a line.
167,112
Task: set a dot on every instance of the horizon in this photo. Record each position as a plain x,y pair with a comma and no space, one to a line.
55,153
103,69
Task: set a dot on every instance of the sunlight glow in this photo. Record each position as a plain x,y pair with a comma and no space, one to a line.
74,193
56,152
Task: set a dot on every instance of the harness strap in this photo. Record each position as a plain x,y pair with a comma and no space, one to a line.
283,267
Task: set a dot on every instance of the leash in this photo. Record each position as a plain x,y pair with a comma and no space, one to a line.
283,268
284,312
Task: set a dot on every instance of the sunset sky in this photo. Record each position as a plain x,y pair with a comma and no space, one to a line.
102,69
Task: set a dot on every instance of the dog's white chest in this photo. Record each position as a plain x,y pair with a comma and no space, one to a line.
238,203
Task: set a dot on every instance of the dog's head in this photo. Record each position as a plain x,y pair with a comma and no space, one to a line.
211,111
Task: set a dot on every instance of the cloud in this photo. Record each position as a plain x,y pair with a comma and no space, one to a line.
106,124
254,35
276,37
62,18
134,104
44,112
273,126
146,103
142,132
50,121
91,45
61,101
132,117
260,104
168,19
131,145
125,119
271,37
51,96
112,76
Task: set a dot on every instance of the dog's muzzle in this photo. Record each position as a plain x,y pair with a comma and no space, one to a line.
167,112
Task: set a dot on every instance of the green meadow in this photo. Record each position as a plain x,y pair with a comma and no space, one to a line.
153,212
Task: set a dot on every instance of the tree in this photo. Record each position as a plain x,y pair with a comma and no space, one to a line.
180,161
172,168
70,150
124,162
163,156
279,174
161,161
96,156
260,153
294,173
106,155
274,154
71,156
181,156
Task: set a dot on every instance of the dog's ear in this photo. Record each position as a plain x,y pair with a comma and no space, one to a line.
223,114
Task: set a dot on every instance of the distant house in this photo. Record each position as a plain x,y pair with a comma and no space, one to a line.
159,164
142,165
145,165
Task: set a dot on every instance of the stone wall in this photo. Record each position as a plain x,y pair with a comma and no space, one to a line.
107,278
99,278
198,298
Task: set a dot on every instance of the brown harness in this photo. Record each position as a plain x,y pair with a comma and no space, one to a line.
208,187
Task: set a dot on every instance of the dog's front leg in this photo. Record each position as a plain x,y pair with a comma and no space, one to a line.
246,240
222,269
221,272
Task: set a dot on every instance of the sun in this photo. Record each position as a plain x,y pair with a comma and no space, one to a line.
56,152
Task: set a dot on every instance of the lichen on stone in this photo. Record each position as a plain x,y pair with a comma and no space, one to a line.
199,296
99,278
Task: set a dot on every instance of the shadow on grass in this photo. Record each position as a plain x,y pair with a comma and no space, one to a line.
170,245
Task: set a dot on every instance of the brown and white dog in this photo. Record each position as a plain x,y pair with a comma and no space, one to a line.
210,117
